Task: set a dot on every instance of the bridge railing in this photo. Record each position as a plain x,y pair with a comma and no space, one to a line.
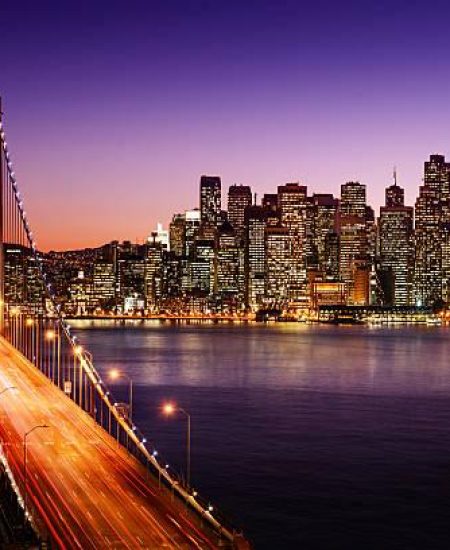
32,321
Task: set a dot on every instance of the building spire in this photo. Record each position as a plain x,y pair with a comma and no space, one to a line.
395,176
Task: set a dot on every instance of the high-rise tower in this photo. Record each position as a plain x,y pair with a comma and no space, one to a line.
239,197
292,207
354,242
432,216
396,244
210,200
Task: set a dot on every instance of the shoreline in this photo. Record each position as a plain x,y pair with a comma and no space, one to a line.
437,322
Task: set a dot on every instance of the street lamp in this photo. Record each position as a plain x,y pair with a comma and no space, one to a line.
115,374
169,409
25,499
50,337
81,354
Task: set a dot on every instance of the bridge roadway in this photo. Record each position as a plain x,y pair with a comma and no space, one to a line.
90,493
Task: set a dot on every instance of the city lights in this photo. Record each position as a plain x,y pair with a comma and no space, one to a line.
287,257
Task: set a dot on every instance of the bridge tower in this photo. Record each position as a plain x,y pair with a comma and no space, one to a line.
2,253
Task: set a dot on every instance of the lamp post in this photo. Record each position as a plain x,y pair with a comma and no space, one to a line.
90,401
81,353
171,408
25,498
50,336
114,374
29,346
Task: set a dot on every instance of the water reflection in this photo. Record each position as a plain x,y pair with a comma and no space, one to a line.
312,436
402,360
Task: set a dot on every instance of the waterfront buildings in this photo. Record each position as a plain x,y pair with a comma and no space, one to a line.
291,253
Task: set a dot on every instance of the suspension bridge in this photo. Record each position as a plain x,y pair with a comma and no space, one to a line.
81,472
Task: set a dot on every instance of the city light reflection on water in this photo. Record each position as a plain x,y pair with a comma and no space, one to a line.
325,436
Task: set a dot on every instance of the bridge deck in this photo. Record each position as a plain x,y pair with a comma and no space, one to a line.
90,492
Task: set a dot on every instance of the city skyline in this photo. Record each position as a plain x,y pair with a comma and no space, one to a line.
260,93
256,198
293,255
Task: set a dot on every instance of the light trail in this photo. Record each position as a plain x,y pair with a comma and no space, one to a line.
67,484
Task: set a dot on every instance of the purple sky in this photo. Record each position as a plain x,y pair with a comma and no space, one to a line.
115,109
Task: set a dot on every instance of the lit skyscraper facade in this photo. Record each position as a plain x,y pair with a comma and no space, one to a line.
397,245
292,206
353,199
431,215
255,256
210,200
230,269
354,242
192,228
278,258
324,220
177,234
395,195
239,197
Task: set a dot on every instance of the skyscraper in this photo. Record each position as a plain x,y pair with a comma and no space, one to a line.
325,208
210,200
192,227
154,272
177,237
432,216
255,254
230,268
104,284
278,259
354,244
292,206
353,199
396,244
428,257
239,197
270,204
395,195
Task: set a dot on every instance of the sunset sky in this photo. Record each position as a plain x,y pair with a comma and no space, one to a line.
114,109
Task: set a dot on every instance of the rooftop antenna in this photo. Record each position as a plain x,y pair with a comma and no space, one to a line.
395,176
